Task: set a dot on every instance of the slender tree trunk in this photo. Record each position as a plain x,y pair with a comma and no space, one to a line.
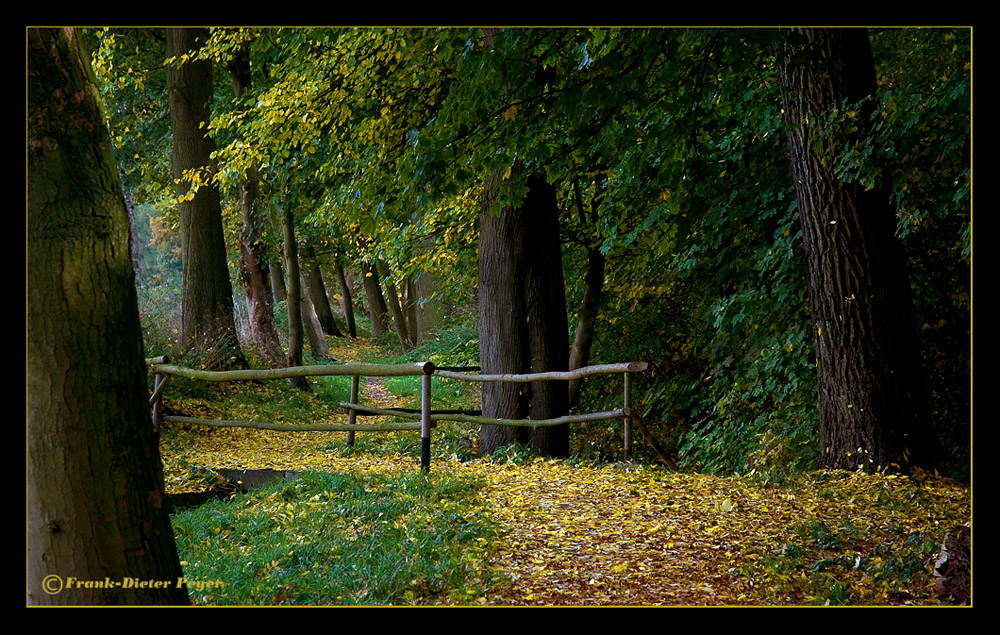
410,312
253,249
522,318
872,410
593,283
136,256
376,303
207,303
94,508
429,311
345,298
277,281
294,298
313,327
317,292
392,298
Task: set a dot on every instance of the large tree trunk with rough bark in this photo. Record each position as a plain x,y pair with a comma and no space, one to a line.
253,248
872,408
94,509
207,297
522,319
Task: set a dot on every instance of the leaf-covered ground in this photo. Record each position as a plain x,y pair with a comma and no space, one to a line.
633,535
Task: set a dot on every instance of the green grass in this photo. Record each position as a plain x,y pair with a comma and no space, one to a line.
334,539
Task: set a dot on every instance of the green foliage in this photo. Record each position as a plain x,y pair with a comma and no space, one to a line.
669,154
925,79
128,65
341,540
454,343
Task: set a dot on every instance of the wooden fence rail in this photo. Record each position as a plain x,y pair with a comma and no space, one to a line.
163,371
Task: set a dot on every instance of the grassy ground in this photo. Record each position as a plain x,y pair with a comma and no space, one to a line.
364,526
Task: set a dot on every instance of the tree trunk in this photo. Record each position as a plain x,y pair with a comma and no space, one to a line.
293,301
593,285
583,340
522,319
872,410
392,298
429,311
313,326
207,299
94,509
376,303
134,236
253,249
277,281
409,306
345,298
317,293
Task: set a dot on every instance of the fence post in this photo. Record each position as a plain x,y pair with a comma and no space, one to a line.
627,419
159,383
425,415
352,414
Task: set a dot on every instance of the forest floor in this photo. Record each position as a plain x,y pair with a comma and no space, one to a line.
634,535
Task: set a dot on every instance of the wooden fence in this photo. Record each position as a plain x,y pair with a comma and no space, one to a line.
163,370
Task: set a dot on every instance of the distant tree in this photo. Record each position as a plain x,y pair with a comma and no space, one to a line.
317,291
294,298
252,246
345,296
377,309
94,481
395,308
871,402
207,302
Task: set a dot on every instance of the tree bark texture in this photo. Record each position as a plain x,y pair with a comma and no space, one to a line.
522,319
253,248
207,299
872,410
94,508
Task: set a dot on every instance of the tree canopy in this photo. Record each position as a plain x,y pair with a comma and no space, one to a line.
668,155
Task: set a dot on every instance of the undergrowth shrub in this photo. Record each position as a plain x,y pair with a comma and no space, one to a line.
160,317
